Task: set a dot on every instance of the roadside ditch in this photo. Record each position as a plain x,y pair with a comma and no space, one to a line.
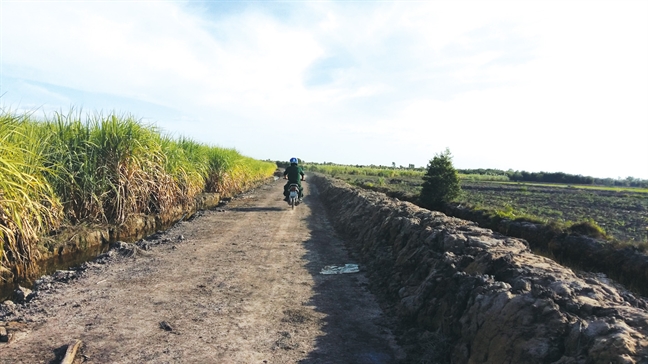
75,245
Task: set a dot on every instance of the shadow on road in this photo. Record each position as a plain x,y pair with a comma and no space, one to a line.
257,209
355,328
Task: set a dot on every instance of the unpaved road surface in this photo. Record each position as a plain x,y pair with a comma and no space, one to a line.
240,284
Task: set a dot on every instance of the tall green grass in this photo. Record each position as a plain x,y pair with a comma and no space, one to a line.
28,205
73,168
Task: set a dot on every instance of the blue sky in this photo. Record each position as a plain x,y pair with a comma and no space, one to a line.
536,86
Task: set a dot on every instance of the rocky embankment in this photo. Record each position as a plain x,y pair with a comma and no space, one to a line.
464,294
626,265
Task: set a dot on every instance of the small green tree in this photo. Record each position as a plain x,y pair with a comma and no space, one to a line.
441,182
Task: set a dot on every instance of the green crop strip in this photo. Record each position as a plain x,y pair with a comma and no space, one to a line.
585,187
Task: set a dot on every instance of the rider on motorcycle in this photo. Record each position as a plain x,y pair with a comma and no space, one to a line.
293,174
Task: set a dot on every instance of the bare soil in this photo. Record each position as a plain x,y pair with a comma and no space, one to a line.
237,284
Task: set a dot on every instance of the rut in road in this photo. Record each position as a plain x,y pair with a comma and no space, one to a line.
242,287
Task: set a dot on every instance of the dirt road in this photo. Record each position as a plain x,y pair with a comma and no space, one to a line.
237,285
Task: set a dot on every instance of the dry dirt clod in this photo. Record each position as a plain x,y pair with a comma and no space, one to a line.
166,326
22,294
6,334
7,307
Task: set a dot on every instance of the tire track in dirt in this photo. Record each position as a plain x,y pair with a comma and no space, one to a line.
242,287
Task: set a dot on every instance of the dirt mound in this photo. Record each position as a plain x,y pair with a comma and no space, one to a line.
468,295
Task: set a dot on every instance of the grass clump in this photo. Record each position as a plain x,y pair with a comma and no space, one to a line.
107,167
588,228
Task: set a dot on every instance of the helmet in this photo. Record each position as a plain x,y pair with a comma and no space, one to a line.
293,160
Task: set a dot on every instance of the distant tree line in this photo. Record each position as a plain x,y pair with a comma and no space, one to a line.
515,176
286,163
410,166
558,177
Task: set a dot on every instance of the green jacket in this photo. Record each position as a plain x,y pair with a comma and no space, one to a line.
294,173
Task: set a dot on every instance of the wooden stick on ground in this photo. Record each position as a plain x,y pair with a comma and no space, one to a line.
70,353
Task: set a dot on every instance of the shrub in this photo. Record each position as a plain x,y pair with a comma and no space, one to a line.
441,182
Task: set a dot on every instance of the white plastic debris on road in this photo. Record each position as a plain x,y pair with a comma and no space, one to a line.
336,269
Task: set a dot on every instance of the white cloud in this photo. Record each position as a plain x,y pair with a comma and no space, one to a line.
157,53
497,82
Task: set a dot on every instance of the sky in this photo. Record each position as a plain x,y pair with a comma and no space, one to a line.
554,86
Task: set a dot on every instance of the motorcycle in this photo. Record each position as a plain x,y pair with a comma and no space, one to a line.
293,195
